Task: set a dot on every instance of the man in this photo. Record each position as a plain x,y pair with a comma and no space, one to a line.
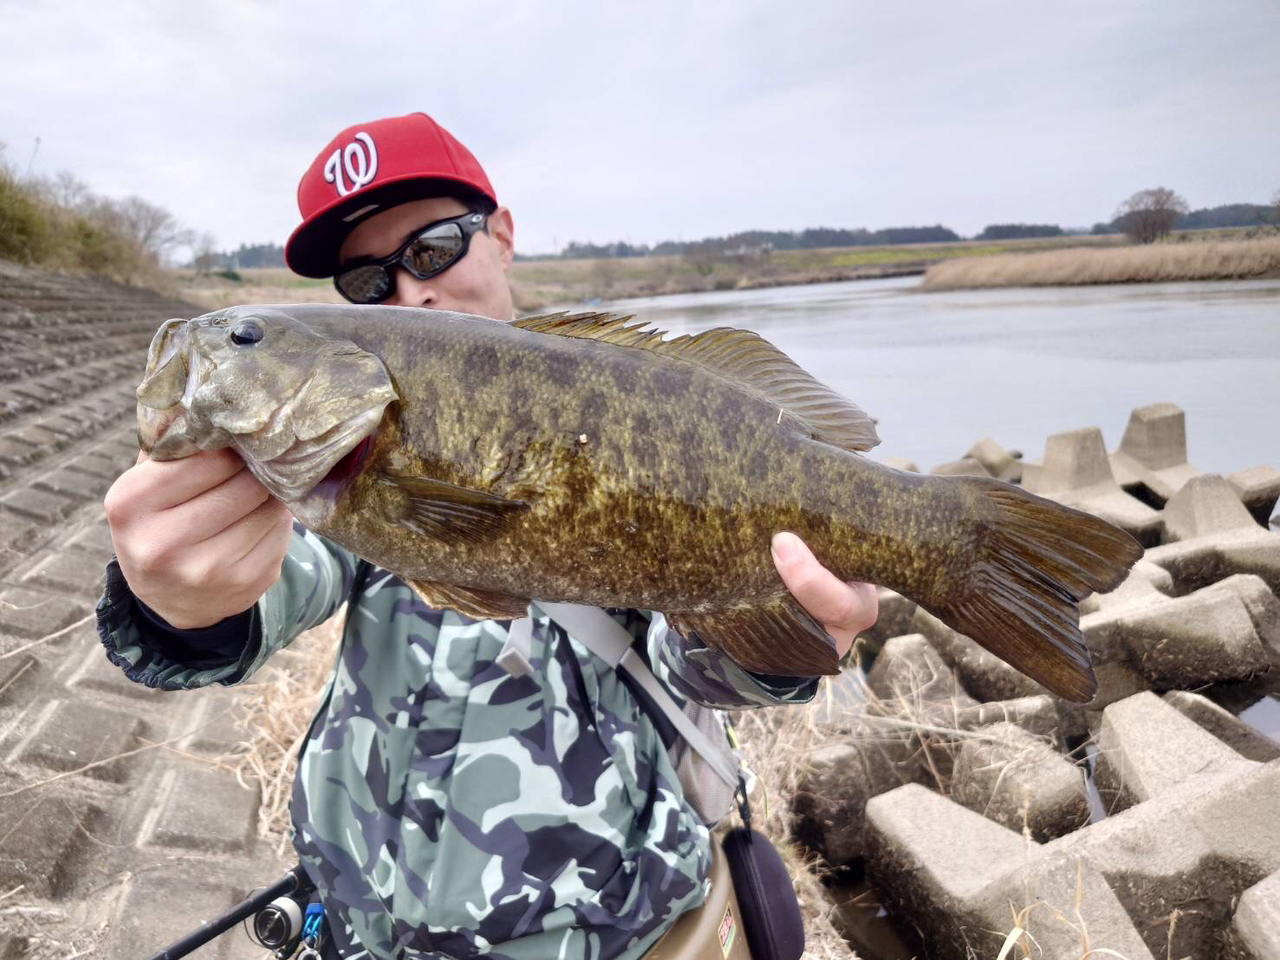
442,806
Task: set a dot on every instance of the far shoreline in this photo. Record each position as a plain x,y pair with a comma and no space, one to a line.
967,265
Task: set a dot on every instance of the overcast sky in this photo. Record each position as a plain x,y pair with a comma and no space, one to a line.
644,121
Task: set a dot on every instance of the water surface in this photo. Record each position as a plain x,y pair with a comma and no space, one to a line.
941,370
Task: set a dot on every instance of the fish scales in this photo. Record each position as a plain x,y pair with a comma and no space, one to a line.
581,458
661,488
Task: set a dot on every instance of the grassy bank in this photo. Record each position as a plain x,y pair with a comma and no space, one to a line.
1155,263
60,225
540,283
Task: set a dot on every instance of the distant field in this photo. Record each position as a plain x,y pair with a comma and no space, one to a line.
1183,258
538,283
1034,262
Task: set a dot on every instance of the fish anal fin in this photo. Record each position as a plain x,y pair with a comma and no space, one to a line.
742,356
445,511
781,639
477,604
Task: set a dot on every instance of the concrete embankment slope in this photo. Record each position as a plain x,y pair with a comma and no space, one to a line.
98,857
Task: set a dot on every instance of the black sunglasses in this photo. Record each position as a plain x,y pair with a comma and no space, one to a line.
430,251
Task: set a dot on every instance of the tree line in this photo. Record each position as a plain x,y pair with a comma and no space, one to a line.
1146,216
1143,216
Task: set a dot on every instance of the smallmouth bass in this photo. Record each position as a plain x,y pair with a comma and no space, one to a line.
583,458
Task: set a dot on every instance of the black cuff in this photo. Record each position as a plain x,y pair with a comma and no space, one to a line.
224,641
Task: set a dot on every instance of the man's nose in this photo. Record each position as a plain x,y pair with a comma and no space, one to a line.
412,292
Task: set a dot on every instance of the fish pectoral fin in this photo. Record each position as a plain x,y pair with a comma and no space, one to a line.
471,602
781,639
434,508
803,403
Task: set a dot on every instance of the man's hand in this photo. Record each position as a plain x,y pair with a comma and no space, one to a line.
198,539
843,609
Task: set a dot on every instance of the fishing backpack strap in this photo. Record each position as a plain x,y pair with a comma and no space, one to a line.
608,640
515,654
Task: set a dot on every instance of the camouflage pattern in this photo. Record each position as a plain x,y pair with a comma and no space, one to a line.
447,808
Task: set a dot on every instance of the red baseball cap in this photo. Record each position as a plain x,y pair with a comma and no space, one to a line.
368,168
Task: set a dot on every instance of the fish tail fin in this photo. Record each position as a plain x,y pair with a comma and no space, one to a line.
1033,560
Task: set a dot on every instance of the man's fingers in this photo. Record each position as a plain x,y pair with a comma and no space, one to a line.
160,484
843,609
217,509
232,544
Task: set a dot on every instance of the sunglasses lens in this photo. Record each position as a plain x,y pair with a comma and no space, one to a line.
367,284
434,249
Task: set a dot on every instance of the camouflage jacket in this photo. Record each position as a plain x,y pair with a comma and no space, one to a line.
446,808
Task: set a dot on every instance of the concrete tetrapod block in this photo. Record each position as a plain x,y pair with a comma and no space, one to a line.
1179,861
1255,930
1146,747
1258,489
1153,451
902,463
1021,782
983,674
1225,725
1204,505
1204,560
1146,583
893,620
909,669
1044,716
1205,637
1076,473
964,467
963,878
999,462
1068,910
831,797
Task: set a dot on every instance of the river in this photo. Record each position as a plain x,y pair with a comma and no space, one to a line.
942,370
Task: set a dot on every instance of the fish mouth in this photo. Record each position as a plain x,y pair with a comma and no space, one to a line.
321,465
342,472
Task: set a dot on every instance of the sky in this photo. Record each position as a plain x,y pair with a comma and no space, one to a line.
660,120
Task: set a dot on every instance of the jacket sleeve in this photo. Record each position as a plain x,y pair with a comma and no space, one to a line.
315,579
699,673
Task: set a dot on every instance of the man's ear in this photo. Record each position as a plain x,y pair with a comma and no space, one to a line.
503,230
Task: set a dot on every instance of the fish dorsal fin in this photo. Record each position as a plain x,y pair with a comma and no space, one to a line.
740,355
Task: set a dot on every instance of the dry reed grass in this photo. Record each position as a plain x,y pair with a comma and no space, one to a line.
1154,263
776,744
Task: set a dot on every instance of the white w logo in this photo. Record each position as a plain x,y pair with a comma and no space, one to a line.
359,161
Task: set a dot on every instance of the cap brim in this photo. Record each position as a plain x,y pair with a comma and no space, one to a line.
312,249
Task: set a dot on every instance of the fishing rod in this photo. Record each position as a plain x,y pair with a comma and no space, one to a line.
277,924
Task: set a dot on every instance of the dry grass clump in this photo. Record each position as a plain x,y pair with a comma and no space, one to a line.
1153,263
775,744
60,224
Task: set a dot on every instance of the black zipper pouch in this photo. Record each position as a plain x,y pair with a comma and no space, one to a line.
770,910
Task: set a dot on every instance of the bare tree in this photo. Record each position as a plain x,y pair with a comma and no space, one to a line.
1274,215
1150,214
154,228
703,255
204,253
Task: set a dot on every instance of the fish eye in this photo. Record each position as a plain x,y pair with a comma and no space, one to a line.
247,333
